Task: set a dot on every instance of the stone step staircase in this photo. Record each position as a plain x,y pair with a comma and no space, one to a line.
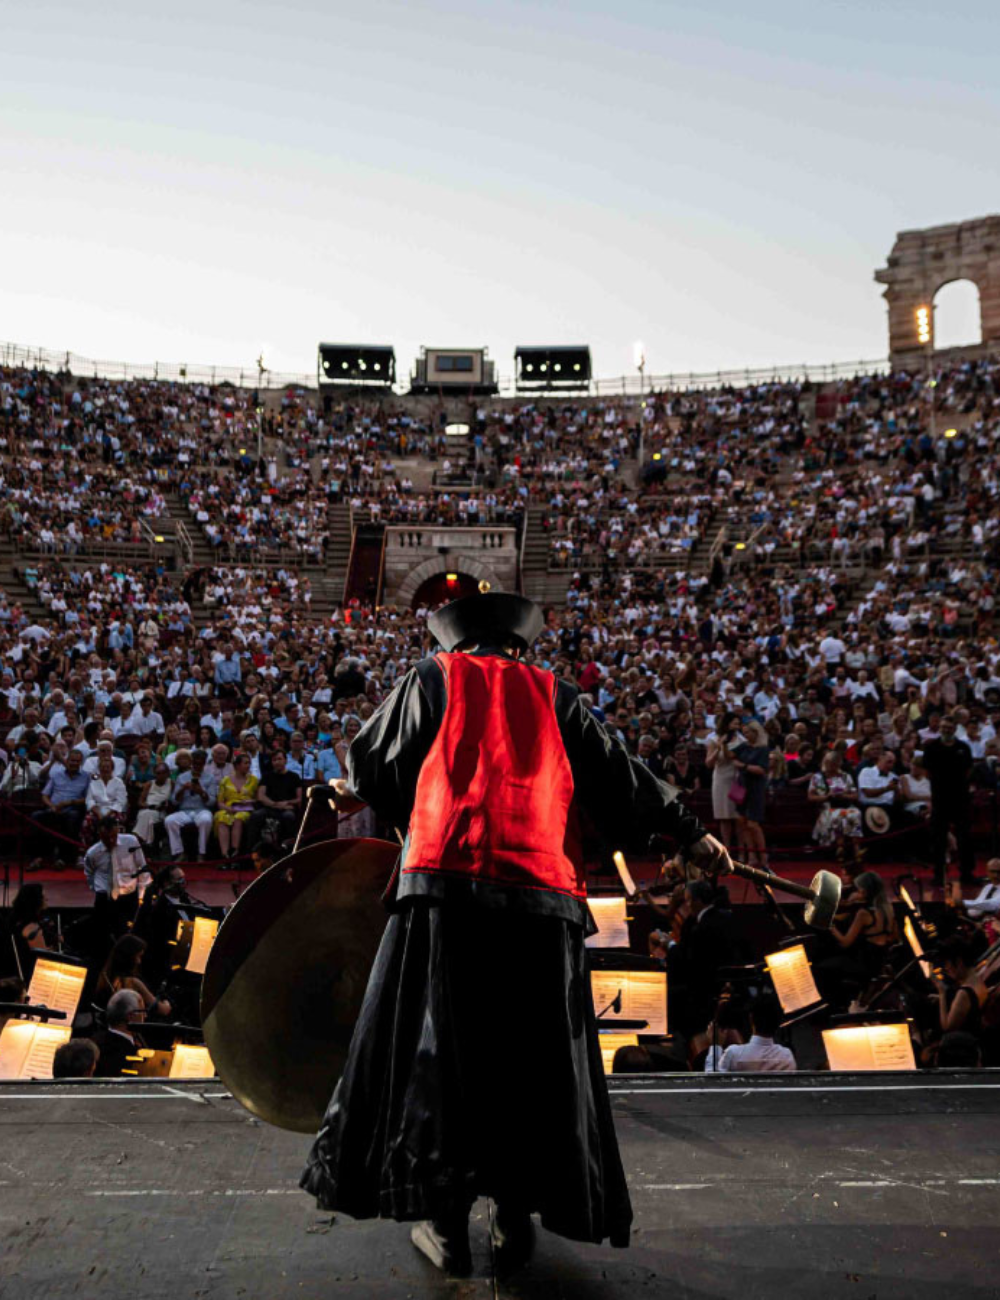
338,551
12,583
538,582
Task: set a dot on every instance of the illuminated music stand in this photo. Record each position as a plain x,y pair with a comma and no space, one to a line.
28,1048
191,1061
611,919
193,943
854,1048
57,983
792,978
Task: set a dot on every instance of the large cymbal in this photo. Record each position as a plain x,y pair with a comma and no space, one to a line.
287,974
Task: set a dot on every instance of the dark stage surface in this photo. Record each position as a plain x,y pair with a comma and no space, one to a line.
867,1186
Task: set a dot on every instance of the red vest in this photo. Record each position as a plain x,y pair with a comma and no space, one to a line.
495,792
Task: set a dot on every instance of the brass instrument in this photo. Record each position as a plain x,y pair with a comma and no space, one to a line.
287,973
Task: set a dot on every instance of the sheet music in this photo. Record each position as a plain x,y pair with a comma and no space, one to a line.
610,1043
628,884
792,978
612,923
892,1047
57,985
605,986
28,1047
644,997
191,1062
869,1047
647,999
202,938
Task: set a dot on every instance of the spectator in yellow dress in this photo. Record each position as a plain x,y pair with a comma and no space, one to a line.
236,799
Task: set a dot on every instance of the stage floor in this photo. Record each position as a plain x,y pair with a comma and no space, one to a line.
858,1187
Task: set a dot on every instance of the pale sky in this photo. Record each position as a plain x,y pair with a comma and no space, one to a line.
191,182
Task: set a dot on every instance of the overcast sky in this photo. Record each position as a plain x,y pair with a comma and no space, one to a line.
190,182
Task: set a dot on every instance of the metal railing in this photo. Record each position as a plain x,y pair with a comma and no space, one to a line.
89,548
716,546
32,358
821,373
638,386
185,542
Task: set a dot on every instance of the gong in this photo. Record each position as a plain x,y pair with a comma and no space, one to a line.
286,976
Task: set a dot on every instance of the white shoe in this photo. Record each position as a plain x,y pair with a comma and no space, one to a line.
448,1253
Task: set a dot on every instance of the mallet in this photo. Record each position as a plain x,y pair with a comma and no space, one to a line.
822,896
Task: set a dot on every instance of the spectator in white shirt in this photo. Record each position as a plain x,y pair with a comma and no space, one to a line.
832,649
762,1054
863,688
31,723
987,901
146,722
21,773
122,724
106,792
105,745
877,784
213,718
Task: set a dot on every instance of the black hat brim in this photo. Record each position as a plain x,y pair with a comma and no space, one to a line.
490,618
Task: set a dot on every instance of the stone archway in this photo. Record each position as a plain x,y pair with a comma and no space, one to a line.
922,262
457,561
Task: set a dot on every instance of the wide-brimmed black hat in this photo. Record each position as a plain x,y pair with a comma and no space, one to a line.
490,618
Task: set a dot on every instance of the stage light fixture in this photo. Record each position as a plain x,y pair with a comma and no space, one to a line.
923,316
951,433
356,363
552,367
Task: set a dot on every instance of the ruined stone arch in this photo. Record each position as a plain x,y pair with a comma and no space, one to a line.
924,261
456,561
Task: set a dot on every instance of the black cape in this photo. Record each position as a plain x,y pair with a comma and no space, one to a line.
475,1067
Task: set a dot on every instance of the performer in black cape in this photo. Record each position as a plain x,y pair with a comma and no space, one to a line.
475,1069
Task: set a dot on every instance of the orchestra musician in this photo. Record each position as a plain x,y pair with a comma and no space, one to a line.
475,1068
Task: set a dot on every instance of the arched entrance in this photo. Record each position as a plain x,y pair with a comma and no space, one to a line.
957,317
458,562
442,587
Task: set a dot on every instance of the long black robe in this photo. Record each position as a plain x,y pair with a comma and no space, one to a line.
475,1067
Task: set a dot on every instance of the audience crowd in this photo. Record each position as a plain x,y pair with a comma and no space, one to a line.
780,600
